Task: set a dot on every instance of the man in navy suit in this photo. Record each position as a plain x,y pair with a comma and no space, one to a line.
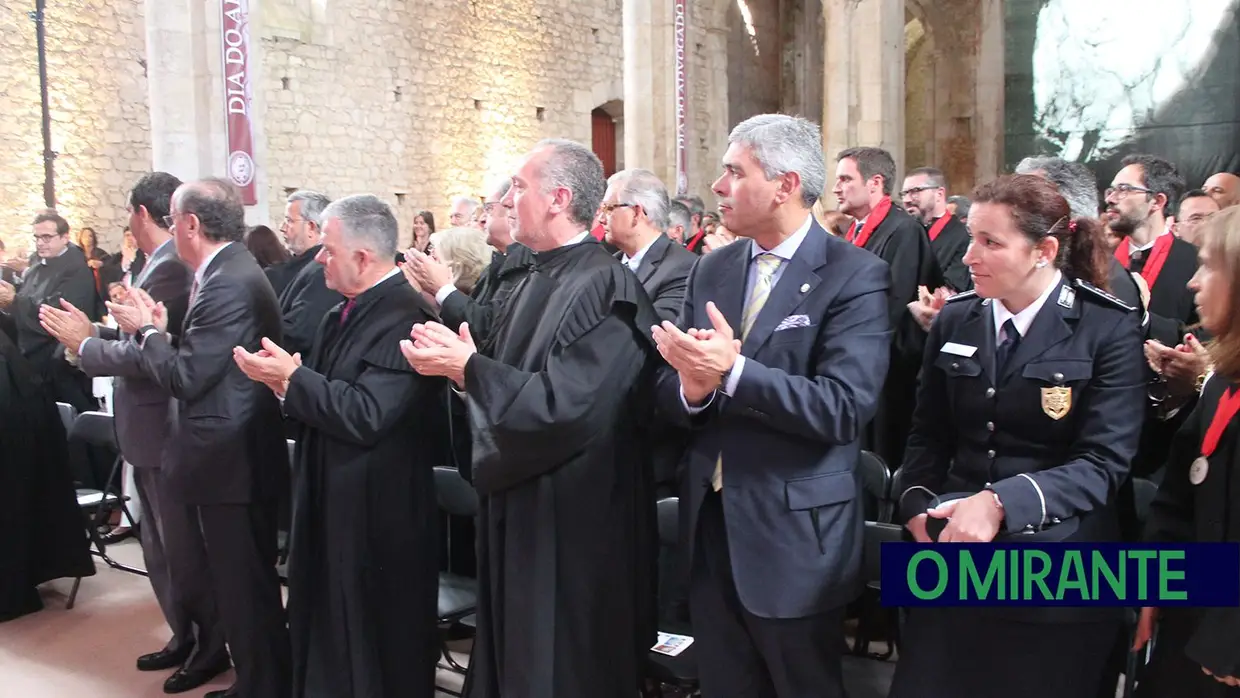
776,366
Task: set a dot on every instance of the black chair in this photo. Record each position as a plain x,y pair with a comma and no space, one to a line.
67,414
1143,493
875,487
679,671
97,429
458,595
282,536
871,612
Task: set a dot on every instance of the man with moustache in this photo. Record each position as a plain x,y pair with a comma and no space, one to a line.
864,178
776,365
306,298
144,418
228,459
924,197
362,572
510,262
557,403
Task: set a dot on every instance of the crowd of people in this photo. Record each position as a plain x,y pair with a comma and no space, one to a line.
579,347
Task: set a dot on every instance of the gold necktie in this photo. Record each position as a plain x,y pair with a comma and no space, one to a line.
767,265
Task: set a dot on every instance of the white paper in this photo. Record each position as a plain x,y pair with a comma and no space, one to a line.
672,645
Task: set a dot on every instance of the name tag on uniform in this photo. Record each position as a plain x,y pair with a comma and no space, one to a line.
959,349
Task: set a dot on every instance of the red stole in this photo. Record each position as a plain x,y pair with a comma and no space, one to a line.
938,226
1153,265
872,221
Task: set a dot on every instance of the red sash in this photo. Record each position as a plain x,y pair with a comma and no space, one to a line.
874,220
939,225
1228,405
1153,265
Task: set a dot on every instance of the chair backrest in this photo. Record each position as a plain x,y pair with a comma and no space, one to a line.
292,448
875,486
67,415
454,494
668,512
96,429
1143,493
871,554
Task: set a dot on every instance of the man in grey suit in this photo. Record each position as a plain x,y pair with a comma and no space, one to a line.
635,216
227,457
142,417
770,497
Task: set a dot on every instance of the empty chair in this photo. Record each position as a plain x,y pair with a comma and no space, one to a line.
458,595
875,487
97,429
871,614
679,671
67,415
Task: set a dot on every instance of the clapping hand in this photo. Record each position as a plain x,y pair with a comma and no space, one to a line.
435,350
272,365
67,324
701,357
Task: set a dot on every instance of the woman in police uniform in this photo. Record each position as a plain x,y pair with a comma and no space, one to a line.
1029,408
1197,654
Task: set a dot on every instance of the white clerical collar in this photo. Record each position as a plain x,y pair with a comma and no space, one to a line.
1024,318
636,260
786,249
1133,248
579,238
201,273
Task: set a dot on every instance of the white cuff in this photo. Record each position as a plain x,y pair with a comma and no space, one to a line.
1041,498
443,293
734,376
691,409
83,345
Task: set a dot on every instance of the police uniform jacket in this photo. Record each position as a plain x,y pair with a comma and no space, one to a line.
1052,434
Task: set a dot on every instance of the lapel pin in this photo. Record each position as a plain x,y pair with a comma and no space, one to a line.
804,288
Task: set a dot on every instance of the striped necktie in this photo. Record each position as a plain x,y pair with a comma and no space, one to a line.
767,264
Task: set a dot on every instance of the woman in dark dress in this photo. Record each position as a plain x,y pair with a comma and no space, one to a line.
1197,652
1028,414
44,535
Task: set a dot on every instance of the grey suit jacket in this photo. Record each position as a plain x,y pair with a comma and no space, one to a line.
664,273
141,407
228,443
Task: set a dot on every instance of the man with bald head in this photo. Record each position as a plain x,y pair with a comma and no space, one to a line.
228,458
1224,188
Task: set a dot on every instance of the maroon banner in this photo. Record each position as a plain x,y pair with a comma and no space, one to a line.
238,96
682,176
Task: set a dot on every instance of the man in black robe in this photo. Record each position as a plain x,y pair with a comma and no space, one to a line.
362,572
565,547
924,196
863,184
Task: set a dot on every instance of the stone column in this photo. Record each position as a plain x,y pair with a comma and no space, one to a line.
189,134
864,77
990,87
650,87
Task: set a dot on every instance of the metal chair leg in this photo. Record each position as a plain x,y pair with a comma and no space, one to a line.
77,582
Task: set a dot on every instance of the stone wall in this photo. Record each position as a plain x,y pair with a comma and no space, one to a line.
100,122
420,102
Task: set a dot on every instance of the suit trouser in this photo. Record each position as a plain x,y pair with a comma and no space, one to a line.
152,498
741,655
242,548
129,489
189,573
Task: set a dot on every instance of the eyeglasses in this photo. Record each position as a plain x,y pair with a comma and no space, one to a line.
45,238
169,221
489,206
291,221
1122,190
608,209
917,190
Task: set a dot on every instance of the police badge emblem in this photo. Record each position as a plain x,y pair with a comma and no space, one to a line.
1056,402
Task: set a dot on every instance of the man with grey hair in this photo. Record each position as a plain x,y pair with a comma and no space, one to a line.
362,568
959,206
776,407
635,214
463,210
561,459
227,459
679,222
863,186
305,297
510,262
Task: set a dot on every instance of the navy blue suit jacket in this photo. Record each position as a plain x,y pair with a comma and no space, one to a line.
789,433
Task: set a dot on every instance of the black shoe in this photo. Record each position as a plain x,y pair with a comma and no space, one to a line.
164,659
226,693
189,679
116,535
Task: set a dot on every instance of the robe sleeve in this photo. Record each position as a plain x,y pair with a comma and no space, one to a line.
360,411
1171,513
527,424
1215,644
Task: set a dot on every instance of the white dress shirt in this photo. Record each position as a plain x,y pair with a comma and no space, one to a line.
1024,318
636,260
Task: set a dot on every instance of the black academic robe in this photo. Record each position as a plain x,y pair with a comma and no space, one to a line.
1208,512
480,308
949,248
362,567
566,523
1172,311
43,536
304,301
901,241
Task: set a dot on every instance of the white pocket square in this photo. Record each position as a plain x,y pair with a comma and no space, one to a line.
792,321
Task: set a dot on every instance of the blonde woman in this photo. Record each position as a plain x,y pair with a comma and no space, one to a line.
465,251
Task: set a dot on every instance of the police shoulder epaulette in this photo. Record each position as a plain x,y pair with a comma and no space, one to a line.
962,296
1101,295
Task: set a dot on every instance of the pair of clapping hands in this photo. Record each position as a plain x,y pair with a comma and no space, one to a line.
70,326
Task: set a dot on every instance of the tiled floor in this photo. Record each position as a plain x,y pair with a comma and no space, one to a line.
89,652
